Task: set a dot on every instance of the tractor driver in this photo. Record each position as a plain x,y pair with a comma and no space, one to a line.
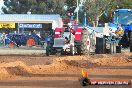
66,40
119,30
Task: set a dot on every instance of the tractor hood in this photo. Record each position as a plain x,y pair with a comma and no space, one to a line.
127,27
124,27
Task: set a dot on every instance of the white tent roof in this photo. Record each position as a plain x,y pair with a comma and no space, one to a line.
55,19
28,17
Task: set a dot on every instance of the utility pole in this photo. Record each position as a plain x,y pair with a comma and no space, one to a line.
85,19
77,11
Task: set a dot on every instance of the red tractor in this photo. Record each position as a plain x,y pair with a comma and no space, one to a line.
68,41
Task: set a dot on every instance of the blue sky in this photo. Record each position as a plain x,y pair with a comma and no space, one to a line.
1,4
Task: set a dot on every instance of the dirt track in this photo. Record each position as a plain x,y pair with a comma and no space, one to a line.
39,71
52,84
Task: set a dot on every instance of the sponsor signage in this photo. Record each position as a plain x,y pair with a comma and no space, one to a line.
110,82
7,25
30,25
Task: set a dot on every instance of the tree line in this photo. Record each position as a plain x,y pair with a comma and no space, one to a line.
96,10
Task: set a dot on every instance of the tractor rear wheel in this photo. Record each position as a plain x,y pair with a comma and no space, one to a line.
85,42
131,41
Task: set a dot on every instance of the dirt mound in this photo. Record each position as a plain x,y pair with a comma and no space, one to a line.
12,64
57,67
18,71
80,63
56,59
111,61
17,68
4,73
66,65
94,61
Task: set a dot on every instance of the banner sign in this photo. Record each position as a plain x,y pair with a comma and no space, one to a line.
30,25
7,25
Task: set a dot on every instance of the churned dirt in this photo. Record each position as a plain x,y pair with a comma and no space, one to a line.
62,71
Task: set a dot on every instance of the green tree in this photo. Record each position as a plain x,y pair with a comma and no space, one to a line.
55,6
16,6
124,4
23,6
71,3
96,8
38,7
34,6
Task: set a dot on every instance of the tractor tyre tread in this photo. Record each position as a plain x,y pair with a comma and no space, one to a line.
84,38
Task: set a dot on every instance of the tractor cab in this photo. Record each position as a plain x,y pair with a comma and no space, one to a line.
124,18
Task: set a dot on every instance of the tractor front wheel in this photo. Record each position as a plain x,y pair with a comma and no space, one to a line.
78,50
47,51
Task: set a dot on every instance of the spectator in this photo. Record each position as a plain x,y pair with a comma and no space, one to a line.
7,41
3,38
